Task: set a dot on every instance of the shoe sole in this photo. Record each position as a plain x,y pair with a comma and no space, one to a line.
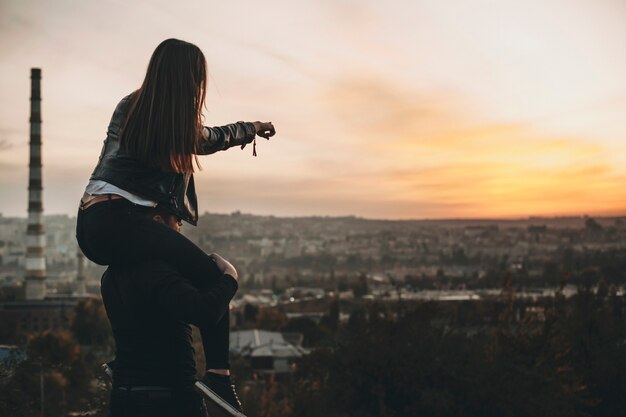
220,407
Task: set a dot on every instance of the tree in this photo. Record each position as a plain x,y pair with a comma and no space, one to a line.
91,325
54,358
419,361
311,332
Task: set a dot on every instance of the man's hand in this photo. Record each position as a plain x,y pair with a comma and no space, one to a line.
224,266
264,129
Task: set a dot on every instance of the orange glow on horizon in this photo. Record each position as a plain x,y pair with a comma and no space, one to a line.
426,150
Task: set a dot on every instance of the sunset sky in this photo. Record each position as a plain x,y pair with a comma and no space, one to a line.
397,109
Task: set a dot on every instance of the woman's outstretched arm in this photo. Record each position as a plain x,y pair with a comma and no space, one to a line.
236,134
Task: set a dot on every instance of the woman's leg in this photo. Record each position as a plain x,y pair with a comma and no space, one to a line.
217,378
216,343
119,232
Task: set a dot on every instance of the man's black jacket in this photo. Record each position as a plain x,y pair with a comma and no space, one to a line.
150,306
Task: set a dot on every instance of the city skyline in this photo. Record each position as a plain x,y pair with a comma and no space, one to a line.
424,110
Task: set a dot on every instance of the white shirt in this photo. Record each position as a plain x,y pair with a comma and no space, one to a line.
97,187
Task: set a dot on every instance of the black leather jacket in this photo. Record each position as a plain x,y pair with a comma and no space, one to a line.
174,192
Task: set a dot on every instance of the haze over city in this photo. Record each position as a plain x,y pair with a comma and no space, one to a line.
430,109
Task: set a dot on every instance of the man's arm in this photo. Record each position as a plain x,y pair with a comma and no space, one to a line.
182,301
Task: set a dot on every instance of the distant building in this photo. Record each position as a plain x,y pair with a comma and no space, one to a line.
39,315
268,352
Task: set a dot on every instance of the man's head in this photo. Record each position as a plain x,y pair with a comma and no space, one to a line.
168,219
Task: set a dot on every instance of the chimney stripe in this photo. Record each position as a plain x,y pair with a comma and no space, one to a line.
33,264
34,252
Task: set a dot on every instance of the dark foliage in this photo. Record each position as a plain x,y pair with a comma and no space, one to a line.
569,359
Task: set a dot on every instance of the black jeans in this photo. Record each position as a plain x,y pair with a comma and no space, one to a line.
182,402
120,232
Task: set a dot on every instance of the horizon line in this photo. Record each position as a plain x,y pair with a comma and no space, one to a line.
424,219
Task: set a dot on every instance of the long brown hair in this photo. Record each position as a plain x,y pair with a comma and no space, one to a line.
164,120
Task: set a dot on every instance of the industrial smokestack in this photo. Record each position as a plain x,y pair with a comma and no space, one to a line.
35,234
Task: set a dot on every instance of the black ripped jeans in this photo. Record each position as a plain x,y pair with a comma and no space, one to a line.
120,232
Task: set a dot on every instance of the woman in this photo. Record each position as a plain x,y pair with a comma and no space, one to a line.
147,160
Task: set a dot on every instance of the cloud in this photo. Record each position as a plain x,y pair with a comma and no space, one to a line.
430,149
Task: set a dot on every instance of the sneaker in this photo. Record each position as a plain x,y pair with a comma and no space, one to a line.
220,394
